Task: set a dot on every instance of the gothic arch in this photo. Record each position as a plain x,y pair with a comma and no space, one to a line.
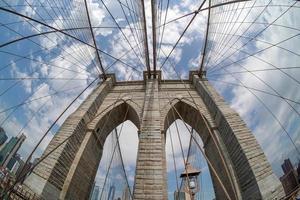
187,112
111,116
75,164
98,129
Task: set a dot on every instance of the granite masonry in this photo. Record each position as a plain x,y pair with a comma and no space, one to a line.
152,105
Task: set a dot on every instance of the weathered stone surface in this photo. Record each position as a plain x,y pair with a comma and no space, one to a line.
69,172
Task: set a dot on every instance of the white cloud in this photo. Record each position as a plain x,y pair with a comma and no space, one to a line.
265,127
16,72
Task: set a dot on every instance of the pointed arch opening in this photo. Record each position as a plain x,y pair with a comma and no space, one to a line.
109,129
192,155
201,125
115,174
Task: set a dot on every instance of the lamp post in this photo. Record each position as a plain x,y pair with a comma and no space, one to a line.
190,180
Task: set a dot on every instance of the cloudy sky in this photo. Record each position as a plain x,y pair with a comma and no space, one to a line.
252,59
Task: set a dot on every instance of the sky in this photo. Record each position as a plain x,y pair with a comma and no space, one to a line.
252,60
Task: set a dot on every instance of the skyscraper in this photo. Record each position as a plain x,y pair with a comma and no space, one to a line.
10,149
287,166
126,193
298,171
23,168
96,193
13,161
289,180
3,136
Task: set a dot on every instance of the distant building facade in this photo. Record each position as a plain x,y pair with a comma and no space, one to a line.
23,168
96,193
10,149
298,171
126,194
289,180
3,136
287,166
14,163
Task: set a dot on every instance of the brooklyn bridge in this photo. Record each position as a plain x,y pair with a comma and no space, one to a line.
149,99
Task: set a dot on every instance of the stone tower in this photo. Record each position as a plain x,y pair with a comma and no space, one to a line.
241,166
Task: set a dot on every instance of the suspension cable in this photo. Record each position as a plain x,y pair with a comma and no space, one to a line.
51,27
173,155
206,40
182,34
94,41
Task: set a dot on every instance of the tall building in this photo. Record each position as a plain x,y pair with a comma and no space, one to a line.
126,194
298,171
287,166
14,161
3,136
15,167
289,180
7,149
96,193
23,168
10,149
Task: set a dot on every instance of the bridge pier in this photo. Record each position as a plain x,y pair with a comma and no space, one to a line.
150,179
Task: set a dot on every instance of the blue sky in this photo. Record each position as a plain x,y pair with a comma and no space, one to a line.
59,57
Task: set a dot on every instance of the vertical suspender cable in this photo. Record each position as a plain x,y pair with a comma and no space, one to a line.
146,49
153,9
94,41
206,40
